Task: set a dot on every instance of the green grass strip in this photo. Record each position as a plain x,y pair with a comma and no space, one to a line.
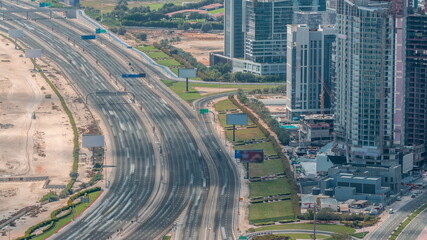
405,223
308,226
58,220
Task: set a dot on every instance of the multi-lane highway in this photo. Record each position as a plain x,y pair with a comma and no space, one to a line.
415,227
173,167
403,210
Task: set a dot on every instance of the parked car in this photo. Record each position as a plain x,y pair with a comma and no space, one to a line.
391,211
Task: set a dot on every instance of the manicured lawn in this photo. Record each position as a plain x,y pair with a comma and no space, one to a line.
225,105
154,6
360,235
157,54
219,10
179,87
147,48
266,168
169,62
180,90
268,188
295,236
245,134
79,208
267,146
322,227
273,211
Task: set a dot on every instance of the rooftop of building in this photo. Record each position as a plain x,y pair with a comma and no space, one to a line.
318,125
318,117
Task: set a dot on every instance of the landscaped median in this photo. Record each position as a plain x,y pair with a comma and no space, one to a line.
271,200
405,223
64,215
161,58
307,226
215,88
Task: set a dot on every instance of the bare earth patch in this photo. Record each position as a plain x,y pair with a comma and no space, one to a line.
198,44
205,91
36,138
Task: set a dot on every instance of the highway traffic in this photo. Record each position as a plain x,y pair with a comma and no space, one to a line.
171,172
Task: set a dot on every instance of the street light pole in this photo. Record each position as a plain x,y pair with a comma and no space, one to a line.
315,213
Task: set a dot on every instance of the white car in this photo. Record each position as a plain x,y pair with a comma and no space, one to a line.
390,211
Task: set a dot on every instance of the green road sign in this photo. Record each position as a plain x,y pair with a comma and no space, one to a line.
204,110
100,30
243,238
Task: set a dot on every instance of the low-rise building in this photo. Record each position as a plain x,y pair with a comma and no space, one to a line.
329,203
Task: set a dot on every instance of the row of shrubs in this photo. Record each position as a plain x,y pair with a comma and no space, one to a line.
270,199
70,205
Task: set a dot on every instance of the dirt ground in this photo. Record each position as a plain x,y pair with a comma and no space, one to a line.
198,44
35,147
205,91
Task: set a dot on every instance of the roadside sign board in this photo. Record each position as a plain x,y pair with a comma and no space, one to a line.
89,141
43,4
237,119
237,154
88,37
100,30
139,75
187,72
110,93
204,110
16,33
251,156
243,238
33,53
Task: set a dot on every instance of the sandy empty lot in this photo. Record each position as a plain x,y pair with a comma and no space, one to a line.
198,44
35,147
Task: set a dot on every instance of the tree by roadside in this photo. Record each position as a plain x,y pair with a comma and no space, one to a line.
206,27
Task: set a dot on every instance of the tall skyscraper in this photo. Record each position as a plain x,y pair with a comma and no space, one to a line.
415,100
364,87
233,36
309,69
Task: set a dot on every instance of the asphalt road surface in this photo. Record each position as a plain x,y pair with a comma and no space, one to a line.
386,228
181,185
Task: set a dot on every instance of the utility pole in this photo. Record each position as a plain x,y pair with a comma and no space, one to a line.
314,223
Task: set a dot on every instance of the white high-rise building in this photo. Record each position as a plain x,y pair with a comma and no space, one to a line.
364,86
309,69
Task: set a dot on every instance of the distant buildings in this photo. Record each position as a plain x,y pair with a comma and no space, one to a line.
309,69
314,19
255,33
233,28
369,70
